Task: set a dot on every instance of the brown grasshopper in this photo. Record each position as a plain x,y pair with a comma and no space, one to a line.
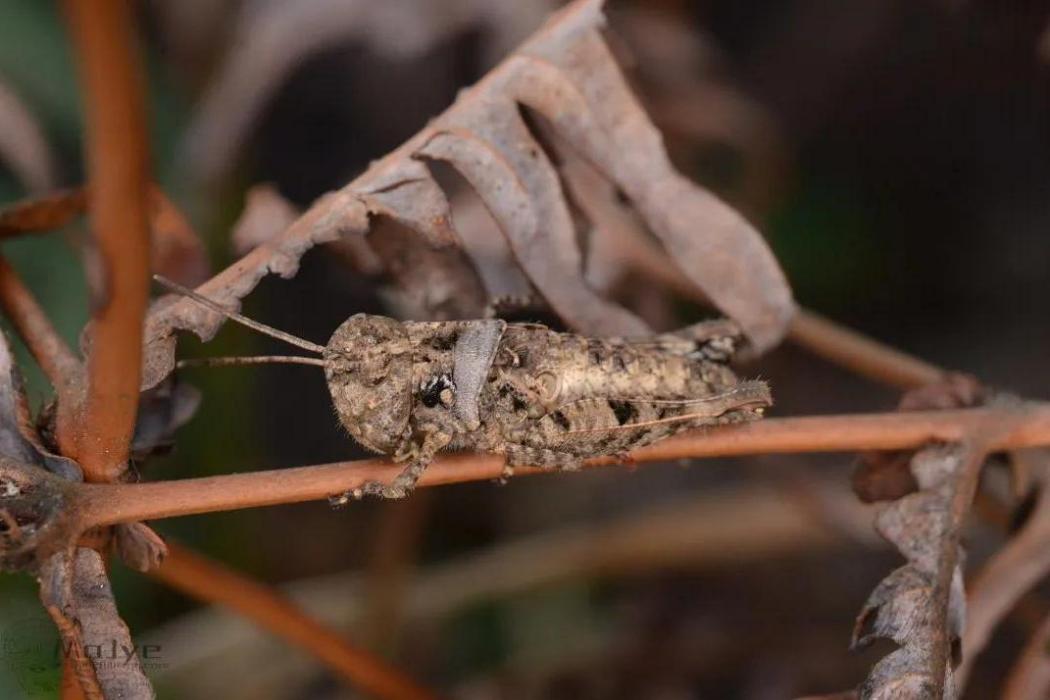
542,398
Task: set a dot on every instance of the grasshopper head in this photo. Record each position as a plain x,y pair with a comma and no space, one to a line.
369,371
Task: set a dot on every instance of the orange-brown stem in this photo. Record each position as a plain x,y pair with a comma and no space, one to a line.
103,36
210,581
861,354
1025,425
58,362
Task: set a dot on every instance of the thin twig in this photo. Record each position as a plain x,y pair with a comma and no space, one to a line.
51,352
41,214
212,582
859,353
1016,568
1028,426
963,489
117,167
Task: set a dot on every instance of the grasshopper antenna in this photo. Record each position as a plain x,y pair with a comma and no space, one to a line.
251,360
243,320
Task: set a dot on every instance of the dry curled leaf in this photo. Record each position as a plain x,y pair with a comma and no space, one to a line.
19,440
176,251
162,410
33,520
887,476
266,213
489,252
76,594
565,74
34,483
921,606
139,546
421,281
618,243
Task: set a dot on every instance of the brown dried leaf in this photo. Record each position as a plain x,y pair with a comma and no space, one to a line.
139,546
719,251
955,391
56,594
887,476
23,145
266,213
162,410
176,250
33,522
34,483
619,243
19,440
488,251
903,675
76,593
423,281
883,476
566,75
921,606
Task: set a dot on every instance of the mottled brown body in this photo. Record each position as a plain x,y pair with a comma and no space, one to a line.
543,398
539,397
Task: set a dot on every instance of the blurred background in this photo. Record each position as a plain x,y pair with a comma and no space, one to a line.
896,154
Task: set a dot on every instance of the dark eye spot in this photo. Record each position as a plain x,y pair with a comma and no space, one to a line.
518,403
624,411
431,393
559,418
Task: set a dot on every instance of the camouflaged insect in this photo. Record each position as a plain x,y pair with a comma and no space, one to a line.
541,398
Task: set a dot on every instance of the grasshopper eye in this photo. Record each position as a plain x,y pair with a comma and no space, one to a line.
439,389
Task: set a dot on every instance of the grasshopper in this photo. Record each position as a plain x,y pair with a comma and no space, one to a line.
409,389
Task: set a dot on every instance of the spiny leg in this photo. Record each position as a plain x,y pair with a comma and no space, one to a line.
416,458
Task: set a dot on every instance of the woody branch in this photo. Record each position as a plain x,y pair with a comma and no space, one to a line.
1022,425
